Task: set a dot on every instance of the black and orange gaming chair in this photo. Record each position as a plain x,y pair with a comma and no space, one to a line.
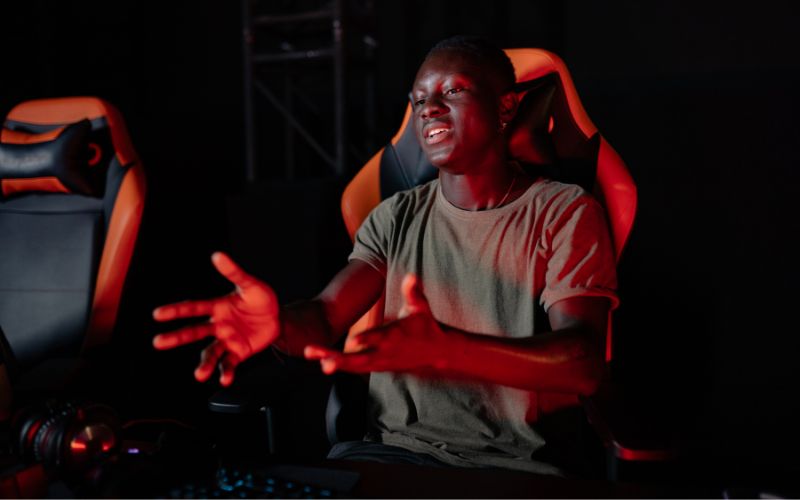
552,135
551,125
72,199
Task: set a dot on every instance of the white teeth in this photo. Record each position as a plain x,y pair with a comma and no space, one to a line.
436,131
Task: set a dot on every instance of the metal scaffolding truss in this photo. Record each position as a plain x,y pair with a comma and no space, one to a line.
284,41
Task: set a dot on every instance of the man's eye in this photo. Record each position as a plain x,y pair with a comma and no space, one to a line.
454,91
419,102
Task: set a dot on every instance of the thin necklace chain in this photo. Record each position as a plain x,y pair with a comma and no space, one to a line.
510,187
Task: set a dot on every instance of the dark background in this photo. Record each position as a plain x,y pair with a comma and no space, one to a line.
699,98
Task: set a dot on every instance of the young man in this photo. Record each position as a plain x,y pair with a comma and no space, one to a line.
498,288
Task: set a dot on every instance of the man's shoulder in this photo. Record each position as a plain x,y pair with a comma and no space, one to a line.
402,204
548,188
413,197
548,192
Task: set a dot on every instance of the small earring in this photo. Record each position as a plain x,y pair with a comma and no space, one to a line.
503,126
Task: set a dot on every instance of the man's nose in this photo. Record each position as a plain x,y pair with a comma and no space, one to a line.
432,108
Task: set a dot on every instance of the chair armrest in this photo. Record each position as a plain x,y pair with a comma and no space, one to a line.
249,429
631,425
234,400
275,406
346,411
246,413
262,381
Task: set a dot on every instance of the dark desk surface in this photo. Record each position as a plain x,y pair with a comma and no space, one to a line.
410,481
376,480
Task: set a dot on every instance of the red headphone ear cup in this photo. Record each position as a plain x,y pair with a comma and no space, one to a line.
45,444
25,426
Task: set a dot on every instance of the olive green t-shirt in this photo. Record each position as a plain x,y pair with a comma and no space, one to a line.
491,272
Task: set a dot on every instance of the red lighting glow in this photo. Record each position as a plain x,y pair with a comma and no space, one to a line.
77,445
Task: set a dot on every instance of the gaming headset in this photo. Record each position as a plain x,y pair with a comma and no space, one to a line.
68,435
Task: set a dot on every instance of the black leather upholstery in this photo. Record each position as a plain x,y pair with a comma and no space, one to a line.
404,166
47,275
65,158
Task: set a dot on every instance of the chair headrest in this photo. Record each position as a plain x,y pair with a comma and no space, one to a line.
529,135
64,159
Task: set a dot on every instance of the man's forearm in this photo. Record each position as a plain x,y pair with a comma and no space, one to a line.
562,361
569,359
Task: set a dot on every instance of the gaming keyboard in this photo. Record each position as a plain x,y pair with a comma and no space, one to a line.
270,481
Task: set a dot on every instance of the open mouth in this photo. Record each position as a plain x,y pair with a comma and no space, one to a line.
436,134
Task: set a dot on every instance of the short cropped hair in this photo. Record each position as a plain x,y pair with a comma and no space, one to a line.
483,51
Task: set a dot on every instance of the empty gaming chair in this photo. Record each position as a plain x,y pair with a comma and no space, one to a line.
553,136
72,195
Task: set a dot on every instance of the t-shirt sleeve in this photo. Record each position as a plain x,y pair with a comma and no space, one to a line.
372,238
581,262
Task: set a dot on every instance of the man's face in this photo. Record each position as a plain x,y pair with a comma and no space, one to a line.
456,111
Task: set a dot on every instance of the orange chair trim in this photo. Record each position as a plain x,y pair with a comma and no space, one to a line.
117,252
8,136
530,64
618,192
362,194
49,184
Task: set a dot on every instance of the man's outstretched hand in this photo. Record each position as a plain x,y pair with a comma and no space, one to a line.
415,342
243,323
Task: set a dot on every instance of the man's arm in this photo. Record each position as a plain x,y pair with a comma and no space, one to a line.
568,359
249,320
328,316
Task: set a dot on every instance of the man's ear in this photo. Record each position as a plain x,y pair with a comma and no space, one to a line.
509,102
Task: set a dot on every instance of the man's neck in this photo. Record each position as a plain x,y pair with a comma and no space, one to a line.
486,190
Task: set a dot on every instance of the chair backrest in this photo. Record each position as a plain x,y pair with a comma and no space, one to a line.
581,155
72,194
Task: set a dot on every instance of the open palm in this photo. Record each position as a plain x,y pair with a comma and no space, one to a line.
243,322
